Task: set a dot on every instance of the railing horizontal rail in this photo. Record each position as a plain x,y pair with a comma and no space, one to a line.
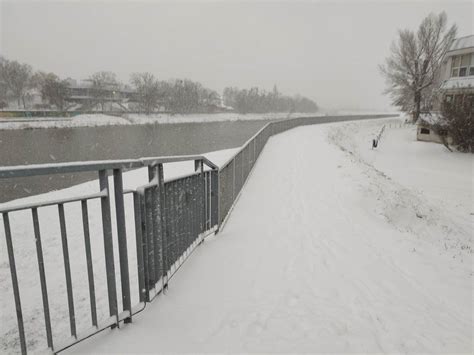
75,167
26,206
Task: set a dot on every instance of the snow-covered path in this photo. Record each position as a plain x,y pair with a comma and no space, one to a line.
315,258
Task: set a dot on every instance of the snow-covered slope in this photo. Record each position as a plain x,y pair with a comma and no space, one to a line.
323,253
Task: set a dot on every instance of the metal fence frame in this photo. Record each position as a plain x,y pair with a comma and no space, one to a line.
171,219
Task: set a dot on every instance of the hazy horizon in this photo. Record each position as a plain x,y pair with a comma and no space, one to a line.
329,52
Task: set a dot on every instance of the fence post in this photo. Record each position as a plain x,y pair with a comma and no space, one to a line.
199,166
16,290
67,270
163,232
142,293
108,245
122,243
233,178
151,205
90,267
44,289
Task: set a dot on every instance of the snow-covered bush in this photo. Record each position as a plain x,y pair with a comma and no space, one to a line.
459,121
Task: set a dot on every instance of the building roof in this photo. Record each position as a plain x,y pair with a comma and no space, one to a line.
462,43
429,119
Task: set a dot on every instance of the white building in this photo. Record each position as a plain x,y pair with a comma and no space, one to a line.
457,73
457,81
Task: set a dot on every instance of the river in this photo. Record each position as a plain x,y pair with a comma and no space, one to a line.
36,146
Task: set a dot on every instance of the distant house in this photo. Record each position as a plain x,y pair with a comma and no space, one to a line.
80,93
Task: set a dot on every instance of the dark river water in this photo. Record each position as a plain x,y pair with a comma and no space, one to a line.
37,146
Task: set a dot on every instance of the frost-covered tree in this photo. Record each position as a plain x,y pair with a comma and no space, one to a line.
148,91
15,78
52,88
256,100
413,66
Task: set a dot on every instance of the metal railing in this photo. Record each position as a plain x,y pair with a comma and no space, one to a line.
170,218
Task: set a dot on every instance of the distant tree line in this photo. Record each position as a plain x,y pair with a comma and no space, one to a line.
255,100
144,93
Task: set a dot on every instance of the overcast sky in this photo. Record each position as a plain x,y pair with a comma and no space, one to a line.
328,51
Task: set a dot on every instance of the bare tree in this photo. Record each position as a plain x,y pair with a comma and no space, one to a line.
15,78
415,61
53,89
148,91
3,86
104,87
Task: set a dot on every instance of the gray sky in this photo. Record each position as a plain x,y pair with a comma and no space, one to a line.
328,51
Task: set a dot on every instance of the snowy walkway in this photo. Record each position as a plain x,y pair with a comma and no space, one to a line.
315,258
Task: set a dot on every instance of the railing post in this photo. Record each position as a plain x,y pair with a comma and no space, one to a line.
90,267
122,243
233,179
16,289
142,292
199,166
152,228
67,270
215,199
142,201
108,245
163,232
44,289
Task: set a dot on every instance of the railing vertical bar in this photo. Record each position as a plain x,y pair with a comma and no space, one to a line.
149,238
108,245
181,243
215,205
186,223
233,179
162,226
90,268
153,175
172,215
14,277
144,239
67,270
139,246
169,236
44,289
122,243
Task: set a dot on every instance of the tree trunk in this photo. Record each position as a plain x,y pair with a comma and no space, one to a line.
417,99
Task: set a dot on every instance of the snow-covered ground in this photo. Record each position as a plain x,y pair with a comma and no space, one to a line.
25,257
94,120
327,250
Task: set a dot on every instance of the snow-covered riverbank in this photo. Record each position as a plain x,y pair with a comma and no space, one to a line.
95,120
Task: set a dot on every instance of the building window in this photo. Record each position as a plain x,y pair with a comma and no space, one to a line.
455,66
443,132
462,65
424,131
